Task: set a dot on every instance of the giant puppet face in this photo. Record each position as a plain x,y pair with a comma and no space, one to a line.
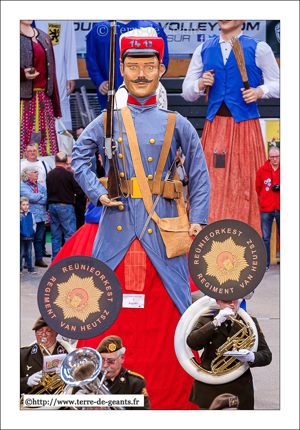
228,26
141,75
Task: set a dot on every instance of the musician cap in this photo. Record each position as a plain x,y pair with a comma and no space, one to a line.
110,344
39,323
141,42
225,400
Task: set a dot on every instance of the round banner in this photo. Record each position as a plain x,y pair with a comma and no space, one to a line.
79,297
227,259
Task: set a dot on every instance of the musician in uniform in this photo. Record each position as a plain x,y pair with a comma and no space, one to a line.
118,379
160,284
31,357
210,332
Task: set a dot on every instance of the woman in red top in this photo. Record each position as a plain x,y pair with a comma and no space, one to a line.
38,91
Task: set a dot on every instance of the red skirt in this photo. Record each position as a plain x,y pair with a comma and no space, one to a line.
233,193
37,117
147,333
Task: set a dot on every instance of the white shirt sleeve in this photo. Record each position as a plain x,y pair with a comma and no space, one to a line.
266,62
190,89
264,59
70,52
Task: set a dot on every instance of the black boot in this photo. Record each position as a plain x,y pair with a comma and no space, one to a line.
40,263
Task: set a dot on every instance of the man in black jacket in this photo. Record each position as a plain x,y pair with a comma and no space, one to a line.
31,357
118,379
61,190
210,332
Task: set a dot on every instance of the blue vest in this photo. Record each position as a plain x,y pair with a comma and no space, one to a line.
26,226
228,81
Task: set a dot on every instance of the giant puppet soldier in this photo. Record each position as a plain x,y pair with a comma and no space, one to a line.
232,140
156,288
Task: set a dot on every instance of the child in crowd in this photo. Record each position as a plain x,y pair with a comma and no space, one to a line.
27,230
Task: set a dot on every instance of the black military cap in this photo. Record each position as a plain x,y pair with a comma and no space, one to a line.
39,323
110,344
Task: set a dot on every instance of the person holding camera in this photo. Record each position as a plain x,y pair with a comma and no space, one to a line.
268,189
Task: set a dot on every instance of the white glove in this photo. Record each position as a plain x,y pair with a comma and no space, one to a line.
223,315
249,355
35,378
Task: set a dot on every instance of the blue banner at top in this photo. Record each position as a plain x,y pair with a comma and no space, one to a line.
183,36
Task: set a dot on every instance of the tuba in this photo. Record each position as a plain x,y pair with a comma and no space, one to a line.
81,368
224,369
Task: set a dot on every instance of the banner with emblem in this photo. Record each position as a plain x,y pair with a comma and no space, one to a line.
272,134
54,32
227,259
79,297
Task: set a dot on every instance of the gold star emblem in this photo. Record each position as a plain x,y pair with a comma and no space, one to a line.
78,297
225,261
112,347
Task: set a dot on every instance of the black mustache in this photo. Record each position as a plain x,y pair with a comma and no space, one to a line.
138,80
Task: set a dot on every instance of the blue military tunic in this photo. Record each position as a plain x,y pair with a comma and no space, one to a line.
118,228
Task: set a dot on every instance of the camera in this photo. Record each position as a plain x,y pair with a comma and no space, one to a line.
276,187
185,181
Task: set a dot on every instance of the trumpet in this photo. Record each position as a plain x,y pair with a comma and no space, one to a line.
81,368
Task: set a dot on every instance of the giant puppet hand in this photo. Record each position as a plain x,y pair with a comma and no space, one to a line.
194,229
35,378
252,94
103,88
107,202
31,73
70,86
223,315
207,80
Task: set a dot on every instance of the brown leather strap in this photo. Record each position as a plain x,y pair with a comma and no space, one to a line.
139,168
137,161
164,153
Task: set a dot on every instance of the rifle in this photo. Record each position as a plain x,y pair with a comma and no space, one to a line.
113,182
90,111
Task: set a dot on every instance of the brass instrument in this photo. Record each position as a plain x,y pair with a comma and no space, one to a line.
81,368
50,383
224,369
243,339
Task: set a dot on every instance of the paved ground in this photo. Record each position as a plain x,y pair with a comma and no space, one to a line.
264,305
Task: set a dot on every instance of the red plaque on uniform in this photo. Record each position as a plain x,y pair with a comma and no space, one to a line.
227,259
80,297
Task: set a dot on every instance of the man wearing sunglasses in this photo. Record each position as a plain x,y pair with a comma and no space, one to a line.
118,379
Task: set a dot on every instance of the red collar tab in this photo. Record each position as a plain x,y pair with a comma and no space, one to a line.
131,100
151,101
142,43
